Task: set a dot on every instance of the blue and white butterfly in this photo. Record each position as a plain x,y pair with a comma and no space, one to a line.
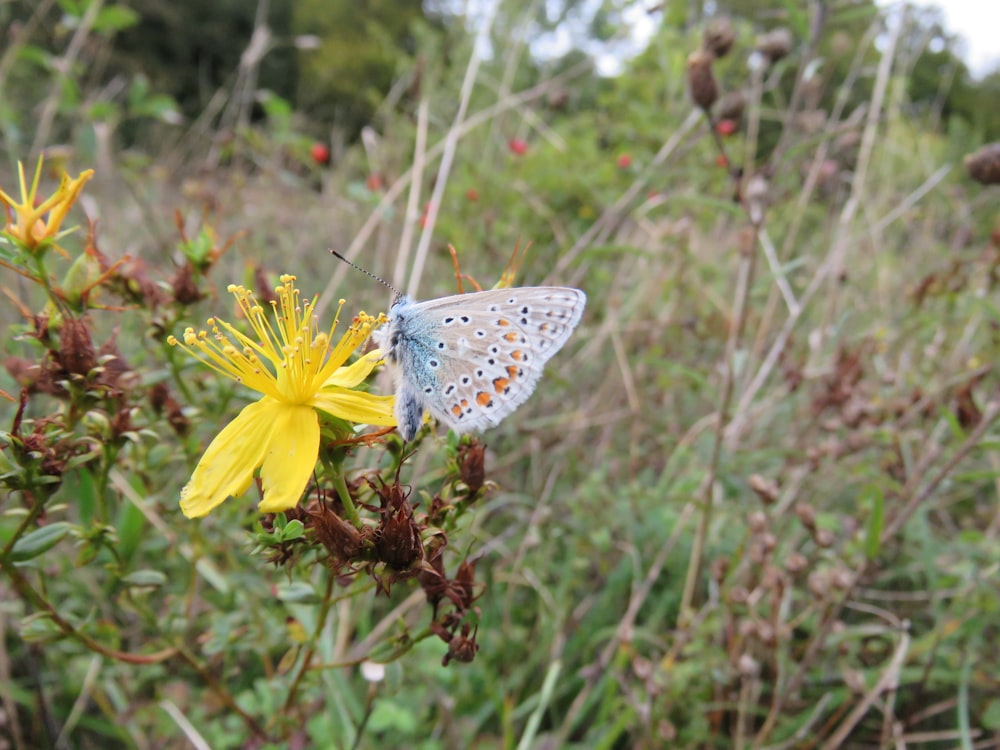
472,359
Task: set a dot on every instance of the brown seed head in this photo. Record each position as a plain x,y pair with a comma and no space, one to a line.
341,539
397,538
823,538
796,563
185,288
766,489
719,36
76,349
731,106
757,521
775,44
983,165
702,85
472,465
806,514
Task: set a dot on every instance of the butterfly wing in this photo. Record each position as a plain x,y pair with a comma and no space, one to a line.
472,359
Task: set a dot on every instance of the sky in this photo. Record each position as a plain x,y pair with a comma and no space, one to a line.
978,21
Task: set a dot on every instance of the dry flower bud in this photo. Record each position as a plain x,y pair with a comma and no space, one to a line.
184,287
796,563
823,538
76,349
702,85
766,489
983,165
806,514
775,44
768,542
719,36
471,465
757,521
817,584
841,579
731,106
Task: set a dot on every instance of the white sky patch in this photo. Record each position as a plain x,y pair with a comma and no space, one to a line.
978,23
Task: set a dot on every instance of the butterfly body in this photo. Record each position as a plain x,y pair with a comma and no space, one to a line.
472,359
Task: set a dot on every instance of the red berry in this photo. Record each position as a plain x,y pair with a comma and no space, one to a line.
721,160
374,182
725,127
517,146
624,161
320,153
472,195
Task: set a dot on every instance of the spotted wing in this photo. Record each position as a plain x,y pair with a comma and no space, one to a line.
490,348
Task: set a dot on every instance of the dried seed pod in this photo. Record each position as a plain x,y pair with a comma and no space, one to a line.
775,44
76,349
757,521
701,79
806,514
841,579
766,489
719,36
823,538
731,106
796,563
984,165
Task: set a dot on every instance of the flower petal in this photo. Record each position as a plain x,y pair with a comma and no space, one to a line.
291,457
229,462
355,373
356,406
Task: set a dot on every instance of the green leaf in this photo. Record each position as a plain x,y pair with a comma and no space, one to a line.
131,525
297,591
115,18
872,495
39,541
145,578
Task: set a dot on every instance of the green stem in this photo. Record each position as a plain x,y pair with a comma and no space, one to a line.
307,657
350,509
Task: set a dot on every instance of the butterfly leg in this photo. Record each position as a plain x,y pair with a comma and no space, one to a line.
409,412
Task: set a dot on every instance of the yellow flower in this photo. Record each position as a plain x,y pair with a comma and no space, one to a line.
29,228
296,370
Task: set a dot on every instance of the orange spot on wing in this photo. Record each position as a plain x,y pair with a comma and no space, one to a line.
483,398
511,337
501,384
501,322
517,355
514,371
456,410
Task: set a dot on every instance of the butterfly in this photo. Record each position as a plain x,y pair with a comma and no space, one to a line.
472,359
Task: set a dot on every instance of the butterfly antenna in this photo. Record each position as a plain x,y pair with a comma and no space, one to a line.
366,272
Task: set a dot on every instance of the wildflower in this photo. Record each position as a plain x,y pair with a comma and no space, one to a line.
28,227
297,371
